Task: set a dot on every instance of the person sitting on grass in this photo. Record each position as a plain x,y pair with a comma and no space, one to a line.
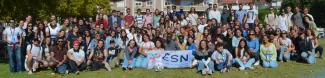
243,55
306,48
158,66
222,58
130,55
112,55
33,57
76,58
144,46
97,57
58,57
203,55
268,53
316,47
286,48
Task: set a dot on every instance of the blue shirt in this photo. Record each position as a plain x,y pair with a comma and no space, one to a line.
108,39
254,44
192,47
240,15
114,19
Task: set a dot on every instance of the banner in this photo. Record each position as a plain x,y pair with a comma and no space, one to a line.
170,59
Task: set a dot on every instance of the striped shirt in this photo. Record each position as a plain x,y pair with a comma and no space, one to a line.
139,19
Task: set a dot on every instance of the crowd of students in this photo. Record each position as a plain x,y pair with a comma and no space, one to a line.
219,40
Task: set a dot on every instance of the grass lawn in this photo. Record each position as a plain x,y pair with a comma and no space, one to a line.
289,69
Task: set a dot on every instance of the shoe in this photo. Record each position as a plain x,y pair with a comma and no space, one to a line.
108,67
34,69
77,72
249,68
52,72
257,63
209,72
204,71
194,63
130,68
30,73
66,72
227,70
222,71
241,68
123,68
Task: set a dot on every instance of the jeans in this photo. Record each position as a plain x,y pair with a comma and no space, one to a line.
248,64
202,66
281,56
310,58
74,67
319,49
271,64
60,69
142,61
222,65
251,25
126,62
256,56
15,52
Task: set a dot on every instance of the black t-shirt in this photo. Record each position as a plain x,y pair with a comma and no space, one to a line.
71,38
113,50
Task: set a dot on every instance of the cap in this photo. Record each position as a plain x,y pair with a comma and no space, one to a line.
76,42
35,39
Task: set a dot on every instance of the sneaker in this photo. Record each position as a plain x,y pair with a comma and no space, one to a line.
249,68
30,73
123,68
52,73
241,68
34,69
209,72
222,71
227,70
130,68
204,71
107,67
77,72
194,63
66,72
257,63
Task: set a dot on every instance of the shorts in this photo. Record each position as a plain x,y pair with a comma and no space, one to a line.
34,60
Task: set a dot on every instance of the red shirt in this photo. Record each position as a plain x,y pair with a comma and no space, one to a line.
128,19
105,23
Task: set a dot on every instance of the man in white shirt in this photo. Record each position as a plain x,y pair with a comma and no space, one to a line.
251,16
202,25
76,58
215,13
13,37
34,56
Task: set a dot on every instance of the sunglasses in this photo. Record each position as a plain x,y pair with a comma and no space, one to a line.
251,34
60,41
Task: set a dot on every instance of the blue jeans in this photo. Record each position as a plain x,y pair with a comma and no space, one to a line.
271,64
202,66
247,64
310,58
222,65
319,49
142,61
281,56
126,62
60,69
15,53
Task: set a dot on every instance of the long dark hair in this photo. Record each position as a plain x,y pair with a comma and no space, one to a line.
200,46
124,38
246,48
161,42
135,43
188,43
41,30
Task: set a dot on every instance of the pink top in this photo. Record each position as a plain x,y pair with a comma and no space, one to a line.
148,19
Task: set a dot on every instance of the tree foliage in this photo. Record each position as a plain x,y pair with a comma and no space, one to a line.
42,9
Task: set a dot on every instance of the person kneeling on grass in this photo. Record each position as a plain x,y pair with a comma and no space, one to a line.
76,58
112,55
306,52
203,54
34,57
58,57
268,53
130,58
222,58
243,55
97,58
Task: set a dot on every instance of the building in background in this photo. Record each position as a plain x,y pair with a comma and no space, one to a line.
200,5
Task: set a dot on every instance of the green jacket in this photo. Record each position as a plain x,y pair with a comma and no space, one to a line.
272,52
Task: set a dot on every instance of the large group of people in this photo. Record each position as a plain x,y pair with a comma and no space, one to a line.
219,40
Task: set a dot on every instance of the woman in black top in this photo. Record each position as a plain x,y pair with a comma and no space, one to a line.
203,54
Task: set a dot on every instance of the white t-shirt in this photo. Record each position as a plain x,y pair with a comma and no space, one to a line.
287,41
53,31
193,18
251,15
201,27
147,45
12,34
35,50
215,14
282,23
77,55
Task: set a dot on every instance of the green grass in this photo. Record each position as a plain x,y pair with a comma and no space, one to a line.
289,69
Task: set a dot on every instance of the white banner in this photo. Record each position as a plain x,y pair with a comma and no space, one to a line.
170,59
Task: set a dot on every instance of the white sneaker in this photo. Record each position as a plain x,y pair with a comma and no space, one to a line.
108,67
209,72
241,68
34,69
30,73
194,63
66,72
52,73
257,63
204,71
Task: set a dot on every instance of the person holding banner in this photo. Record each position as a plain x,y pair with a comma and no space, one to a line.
158,66
243,55
268,53
222,58
203,54
146,45
130,58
